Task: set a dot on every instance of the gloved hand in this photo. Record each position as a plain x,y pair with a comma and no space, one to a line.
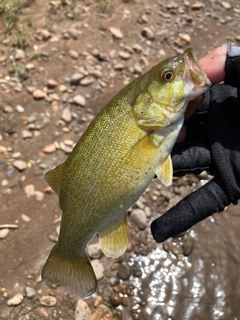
213,144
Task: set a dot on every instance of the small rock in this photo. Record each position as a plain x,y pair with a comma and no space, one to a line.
226,5
30,292
102,312
82,311
73,54
44,34
30,66
116,32
115,299
148,212
197,6
124,271
66,115
29,190
52,83
50,148
87,81
73,33
4,233
39,94
20,165
39,195
186,37
124,55
79,100
48,301
62,88
26,134
138,216
42,313
20,54
94,251
16,300
19,108
98,268
148,33
76,77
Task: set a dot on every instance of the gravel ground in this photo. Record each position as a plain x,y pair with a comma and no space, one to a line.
59,66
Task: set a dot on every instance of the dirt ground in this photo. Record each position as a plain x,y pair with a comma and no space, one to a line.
58,68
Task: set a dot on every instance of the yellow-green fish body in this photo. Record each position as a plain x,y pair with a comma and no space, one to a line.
114,161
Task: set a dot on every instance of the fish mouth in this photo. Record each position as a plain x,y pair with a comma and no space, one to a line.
195,72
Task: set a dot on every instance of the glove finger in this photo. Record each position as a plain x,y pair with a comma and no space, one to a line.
194,208
193,158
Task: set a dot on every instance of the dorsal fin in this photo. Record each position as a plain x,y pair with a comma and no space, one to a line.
53,178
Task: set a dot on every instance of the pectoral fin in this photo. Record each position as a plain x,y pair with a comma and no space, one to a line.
114,239
165,172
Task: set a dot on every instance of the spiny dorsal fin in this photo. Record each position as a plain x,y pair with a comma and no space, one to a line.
165,172
53,178
114,239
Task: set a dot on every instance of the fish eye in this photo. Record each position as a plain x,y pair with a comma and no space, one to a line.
167,75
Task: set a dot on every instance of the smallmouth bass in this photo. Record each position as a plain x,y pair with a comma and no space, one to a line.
114,161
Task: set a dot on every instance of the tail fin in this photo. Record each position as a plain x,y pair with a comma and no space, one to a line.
76,275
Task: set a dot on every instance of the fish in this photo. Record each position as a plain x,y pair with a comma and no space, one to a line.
114,161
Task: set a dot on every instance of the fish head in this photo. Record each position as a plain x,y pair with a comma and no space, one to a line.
170,86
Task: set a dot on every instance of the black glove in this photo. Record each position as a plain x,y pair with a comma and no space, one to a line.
213,144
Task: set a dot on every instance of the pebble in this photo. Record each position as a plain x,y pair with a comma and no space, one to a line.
20,54
4,233
124,55
30,66
115,299
226,5
124,271
49,148
44,34
39,94
66,115
148,212
116,32
20,165
82,311
52,83
186,37
26,134
73,33
16,300
197,6
73,54
76,77
138,216
102,312
19,108
42,313
30,292
79,100
25,217
148,33
48,301
29,189
39,195
94,251
98,268
87,81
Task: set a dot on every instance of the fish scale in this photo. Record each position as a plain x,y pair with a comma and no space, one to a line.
114,161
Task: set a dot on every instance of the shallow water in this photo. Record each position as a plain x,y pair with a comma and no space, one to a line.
203,285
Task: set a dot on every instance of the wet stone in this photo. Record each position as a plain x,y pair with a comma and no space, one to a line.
87,81
94,251
48,301
138,216
124,271
102,312
98,268
115,299
76,77
82,311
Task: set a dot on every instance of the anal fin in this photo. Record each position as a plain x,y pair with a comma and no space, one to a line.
114,239
165,171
